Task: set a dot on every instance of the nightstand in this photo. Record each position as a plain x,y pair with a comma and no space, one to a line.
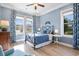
56,37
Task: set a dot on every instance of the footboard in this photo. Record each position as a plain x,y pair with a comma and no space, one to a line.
38,39
41,39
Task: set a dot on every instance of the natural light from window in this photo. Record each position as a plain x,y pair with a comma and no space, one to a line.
68,23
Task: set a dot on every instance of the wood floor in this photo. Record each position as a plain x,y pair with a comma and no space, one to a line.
54,50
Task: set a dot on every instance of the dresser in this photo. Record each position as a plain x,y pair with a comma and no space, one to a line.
5,40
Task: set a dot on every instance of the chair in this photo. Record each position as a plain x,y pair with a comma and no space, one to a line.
12,52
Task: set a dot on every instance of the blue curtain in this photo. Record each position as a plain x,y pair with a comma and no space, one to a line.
76,25
12,26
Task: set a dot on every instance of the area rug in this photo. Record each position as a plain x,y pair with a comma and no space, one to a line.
19,50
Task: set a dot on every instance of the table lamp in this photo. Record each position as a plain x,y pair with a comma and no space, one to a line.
39,29
56,31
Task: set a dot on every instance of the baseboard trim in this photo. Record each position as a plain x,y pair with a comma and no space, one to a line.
65,44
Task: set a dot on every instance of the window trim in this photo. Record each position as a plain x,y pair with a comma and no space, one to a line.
24,20
62,21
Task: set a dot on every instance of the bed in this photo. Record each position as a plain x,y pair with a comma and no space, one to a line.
38,40
43,38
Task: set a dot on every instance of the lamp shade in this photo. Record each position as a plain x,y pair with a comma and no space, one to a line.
4,22
39,29
56,31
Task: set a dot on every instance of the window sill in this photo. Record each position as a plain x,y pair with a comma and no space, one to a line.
69,36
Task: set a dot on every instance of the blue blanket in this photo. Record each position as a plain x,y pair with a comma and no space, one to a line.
38,38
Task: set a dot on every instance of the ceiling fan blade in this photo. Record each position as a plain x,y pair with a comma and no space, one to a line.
41,5
29,4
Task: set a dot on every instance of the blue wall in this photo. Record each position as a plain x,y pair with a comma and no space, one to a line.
36,23
67,40
55,18
5,13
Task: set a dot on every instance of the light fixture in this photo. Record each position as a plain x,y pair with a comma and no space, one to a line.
35,5
56,31
39,29
4,22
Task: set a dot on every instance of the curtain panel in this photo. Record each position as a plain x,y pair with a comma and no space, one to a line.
12,26
76,25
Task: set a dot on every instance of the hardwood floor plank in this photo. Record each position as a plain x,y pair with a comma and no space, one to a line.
52,49
55,50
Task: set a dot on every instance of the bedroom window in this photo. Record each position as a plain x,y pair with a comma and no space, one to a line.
67,22
23,26
29,25
19,24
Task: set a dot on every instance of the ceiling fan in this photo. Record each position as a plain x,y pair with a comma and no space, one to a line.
36,5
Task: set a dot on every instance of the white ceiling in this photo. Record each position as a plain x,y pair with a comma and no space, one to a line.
30,10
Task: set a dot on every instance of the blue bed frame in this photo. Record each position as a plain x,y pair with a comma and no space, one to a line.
36,39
